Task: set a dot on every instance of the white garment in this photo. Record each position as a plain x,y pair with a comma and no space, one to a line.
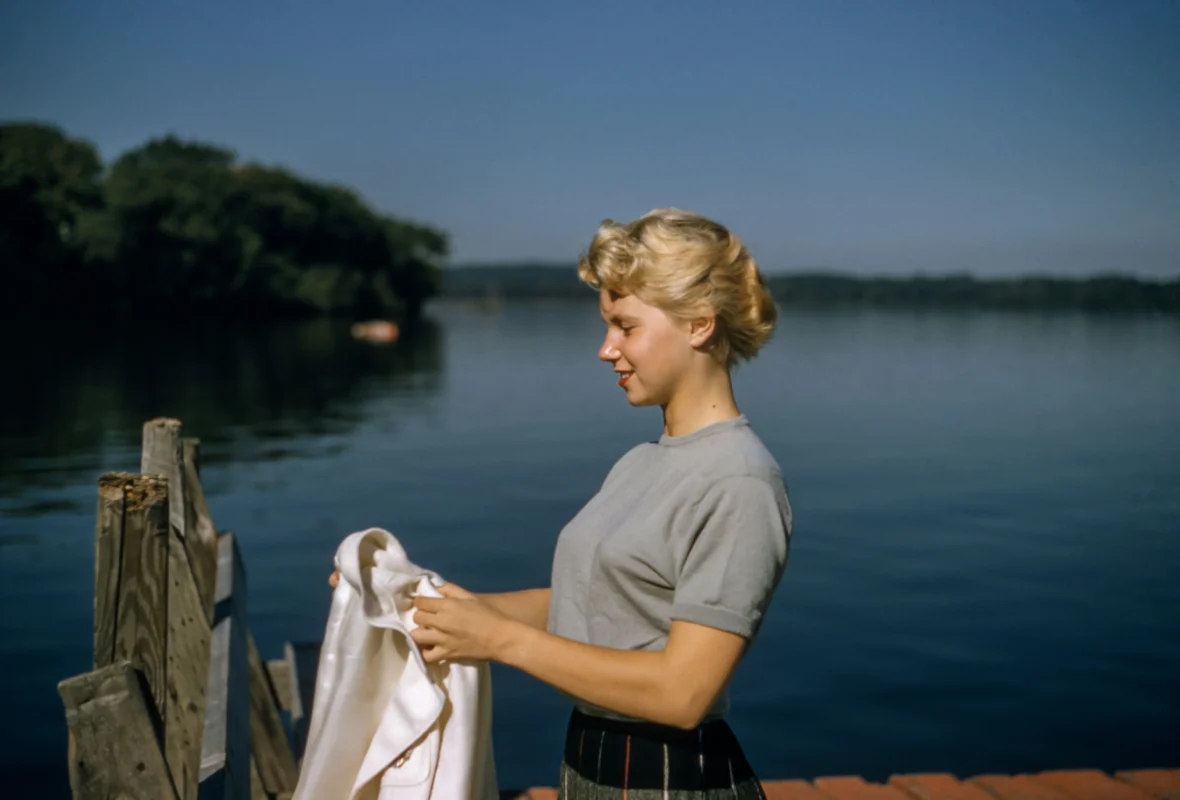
384,724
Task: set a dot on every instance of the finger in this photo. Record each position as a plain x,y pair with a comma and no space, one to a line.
425,619
431,604
427,637
456,591
334,579
433,655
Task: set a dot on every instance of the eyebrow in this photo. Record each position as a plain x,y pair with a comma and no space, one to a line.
617,317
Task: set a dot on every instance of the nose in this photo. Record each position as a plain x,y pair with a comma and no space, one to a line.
608,352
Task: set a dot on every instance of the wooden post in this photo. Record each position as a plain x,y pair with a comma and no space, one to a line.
200,534
189,637
192,573
303,659
225,751
163,455
280,678
171,625
268,740
131,577
114,736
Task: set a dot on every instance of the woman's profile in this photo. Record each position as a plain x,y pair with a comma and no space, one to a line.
659,584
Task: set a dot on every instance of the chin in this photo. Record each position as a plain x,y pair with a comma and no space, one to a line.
638,400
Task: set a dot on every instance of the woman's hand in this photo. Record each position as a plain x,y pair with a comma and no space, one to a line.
459,626
334,579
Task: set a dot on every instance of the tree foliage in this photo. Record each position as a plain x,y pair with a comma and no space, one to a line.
177,226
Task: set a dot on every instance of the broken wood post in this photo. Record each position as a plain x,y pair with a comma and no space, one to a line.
131,577
114,736
189,607
165,453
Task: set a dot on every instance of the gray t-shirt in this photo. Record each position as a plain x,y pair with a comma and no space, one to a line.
693,527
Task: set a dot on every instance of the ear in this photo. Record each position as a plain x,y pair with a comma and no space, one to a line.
700,330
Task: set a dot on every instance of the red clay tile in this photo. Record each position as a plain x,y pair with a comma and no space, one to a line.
938,786
1090,784
792,790
1161,783
1016,787
853,787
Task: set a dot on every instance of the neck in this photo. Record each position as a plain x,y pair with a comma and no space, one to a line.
699,402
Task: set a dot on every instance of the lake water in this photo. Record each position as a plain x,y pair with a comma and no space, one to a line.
985,574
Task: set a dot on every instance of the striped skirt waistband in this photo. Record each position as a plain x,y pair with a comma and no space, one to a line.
644,755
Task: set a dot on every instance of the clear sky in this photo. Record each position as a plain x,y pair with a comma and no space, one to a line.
871,136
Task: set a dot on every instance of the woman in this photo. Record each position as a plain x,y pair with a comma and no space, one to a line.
660,582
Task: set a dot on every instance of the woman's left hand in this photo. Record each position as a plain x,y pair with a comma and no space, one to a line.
459,626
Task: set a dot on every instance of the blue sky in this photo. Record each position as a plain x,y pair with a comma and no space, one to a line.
870,136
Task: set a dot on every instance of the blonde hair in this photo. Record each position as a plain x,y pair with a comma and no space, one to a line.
686,265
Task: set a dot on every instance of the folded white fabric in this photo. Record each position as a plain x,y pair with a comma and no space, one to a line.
384,724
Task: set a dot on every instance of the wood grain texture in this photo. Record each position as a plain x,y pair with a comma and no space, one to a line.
162,454
225,752
115,747
131,622
189,635
268,739
201,534
108,561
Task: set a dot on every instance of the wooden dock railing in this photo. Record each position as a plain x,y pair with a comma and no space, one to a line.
179,704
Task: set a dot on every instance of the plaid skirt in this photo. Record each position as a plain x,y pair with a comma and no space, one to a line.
607,758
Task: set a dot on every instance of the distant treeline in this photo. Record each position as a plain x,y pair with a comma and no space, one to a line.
1102,293
178,227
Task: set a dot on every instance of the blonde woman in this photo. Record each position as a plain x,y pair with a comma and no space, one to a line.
660,583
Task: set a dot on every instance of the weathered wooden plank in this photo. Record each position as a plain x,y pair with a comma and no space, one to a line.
225,752
280,678
163,454
189,635
114,736
257,790
108,562
268,739
302,663
201,534
135,623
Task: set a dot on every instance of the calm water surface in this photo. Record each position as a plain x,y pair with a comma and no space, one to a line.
985,574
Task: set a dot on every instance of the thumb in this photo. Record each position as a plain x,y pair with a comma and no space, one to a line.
454,590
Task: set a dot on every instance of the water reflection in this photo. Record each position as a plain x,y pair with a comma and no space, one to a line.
77,394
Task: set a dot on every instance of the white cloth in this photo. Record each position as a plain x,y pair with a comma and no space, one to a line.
384,724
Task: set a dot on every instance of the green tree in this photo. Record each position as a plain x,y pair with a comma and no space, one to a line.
48,183
169,229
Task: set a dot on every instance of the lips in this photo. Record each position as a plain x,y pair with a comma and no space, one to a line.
623,378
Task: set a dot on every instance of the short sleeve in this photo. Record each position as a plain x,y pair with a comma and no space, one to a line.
734,558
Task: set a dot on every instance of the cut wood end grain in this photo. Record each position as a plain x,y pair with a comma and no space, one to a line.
136,491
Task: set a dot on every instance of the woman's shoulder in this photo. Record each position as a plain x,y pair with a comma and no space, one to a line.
737,452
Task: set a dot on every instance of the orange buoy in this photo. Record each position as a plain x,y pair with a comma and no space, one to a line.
377,330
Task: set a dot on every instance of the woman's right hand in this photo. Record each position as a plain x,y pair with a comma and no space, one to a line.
334,579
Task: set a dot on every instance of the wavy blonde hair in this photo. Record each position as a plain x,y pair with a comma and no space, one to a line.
688,266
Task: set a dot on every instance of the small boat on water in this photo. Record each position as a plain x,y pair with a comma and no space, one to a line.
377,330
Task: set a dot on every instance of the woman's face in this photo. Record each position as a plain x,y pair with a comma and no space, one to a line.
650,351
